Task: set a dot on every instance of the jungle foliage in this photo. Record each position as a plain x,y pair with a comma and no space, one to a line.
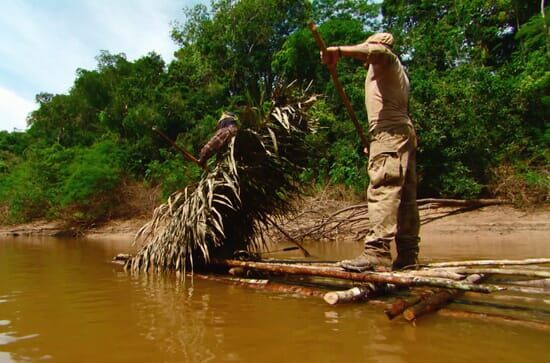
479,96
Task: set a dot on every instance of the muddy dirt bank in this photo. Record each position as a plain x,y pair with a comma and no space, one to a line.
503,220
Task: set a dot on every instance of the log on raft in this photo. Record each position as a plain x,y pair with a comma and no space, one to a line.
264,284
396,308
542,283
500,271
495,318
396,278
528,261
358,293
436,301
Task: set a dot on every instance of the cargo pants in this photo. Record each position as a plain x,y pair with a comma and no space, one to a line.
393,212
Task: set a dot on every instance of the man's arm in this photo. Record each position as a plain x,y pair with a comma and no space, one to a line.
218,141
367,53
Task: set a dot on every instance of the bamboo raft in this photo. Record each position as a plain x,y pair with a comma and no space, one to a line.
515,292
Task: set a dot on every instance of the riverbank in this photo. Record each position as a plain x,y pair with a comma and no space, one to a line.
502,220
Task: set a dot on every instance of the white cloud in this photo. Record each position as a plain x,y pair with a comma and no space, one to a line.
13,110
42,43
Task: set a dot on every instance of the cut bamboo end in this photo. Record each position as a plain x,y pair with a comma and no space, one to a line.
331,298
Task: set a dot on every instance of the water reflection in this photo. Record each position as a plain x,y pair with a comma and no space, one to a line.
175,316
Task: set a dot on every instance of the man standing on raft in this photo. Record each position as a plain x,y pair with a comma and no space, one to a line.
393,212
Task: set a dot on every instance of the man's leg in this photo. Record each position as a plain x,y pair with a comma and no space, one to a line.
408,219
384,194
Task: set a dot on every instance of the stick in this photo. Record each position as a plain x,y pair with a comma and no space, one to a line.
524,290
462,202
452,275
529,261
502,271
304,251
321,44
507,298
496,318
397,278
186,154
544,283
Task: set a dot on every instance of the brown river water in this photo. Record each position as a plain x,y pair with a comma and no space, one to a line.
62,301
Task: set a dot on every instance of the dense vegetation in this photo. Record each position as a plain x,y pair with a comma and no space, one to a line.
480,99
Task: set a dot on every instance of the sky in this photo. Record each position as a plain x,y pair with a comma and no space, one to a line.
44,42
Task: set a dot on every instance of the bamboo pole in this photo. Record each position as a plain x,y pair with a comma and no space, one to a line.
452,275
544,283
397,278
528,261
502,271
525,300
495,318
523,290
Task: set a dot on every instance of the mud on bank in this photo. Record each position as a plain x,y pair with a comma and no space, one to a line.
509,223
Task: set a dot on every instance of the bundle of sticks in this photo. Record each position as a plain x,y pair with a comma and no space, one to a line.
315,221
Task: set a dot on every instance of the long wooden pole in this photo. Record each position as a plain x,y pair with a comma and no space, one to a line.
528,261
396,278
321,44
186,154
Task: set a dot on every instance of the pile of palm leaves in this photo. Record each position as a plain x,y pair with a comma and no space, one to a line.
254,183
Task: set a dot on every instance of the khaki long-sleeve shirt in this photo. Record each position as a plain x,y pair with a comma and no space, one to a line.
386,89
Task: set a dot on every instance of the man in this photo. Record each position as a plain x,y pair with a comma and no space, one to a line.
393,212
226,129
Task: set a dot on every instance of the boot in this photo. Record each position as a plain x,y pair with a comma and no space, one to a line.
406,259
375,255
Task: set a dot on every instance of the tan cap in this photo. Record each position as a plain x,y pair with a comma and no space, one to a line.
227,114
384,38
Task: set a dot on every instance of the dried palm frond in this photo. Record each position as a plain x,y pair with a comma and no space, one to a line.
232,205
